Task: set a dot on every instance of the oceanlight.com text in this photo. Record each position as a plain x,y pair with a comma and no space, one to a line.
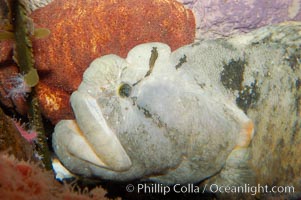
157,188
251,189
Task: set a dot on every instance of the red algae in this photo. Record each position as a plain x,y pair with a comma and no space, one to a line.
86,29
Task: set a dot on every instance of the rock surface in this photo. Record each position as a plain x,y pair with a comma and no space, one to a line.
218,18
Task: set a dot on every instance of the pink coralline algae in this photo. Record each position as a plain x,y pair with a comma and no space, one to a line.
23,180
218,18
30,135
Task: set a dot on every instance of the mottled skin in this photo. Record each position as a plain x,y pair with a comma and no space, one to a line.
183,127
84,30
155,115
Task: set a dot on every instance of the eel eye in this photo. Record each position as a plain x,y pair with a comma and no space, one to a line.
124,90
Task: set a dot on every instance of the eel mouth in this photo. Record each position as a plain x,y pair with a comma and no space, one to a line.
70,143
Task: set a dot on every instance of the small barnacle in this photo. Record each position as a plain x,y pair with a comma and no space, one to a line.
19,88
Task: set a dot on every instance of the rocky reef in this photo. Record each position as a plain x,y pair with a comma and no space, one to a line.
220,18
250,86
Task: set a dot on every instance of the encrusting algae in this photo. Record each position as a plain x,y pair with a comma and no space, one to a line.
87,29
21,31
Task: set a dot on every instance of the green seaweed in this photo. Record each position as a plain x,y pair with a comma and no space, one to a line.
31,76
41,33
35,118
23,56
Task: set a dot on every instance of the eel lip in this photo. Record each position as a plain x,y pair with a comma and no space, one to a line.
94,128
61,173
72,148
